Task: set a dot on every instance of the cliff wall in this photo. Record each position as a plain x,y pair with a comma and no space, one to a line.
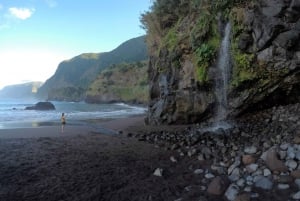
183,39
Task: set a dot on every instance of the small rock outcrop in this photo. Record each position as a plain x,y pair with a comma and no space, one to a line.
41,106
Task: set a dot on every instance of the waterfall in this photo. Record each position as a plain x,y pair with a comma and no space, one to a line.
222,79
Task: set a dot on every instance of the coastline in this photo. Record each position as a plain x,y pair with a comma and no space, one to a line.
106,126
161,163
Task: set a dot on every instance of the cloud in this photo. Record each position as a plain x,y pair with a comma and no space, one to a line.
1,6
51,3
21,13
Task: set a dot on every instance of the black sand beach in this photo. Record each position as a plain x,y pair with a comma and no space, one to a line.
83,164
79,164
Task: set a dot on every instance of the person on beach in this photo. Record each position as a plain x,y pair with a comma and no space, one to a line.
63,122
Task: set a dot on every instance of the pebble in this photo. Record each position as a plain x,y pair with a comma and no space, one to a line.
284,146
173,159
283,186
241,182
231,192
251,168
296,196
266,172
291,164
264,183
198,171
158,172
297,182
250,150
209,176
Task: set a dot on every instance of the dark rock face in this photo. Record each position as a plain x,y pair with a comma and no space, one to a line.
275,45
41,106
270,34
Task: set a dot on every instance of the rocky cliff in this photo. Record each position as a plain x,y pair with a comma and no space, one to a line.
125,82
73,77
21,91
184,38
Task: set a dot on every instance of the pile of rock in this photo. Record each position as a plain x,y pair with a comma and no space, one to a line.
260,154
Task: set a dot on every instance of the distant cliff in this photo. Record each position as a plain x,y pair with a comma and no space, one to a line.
184,38
125,82
73,77
21,91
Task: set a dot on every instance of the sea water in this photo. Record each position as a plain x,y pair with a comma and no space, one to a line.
14,115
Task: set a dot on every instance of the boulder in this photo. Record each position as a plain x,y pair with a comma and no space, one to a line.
41,106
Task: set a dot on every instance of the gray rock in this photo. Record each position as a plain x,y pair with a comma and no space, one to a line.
298,155
236,163
291,164
192,152
283,186
158,172
235,174
291,152
296,196
248,189
284,146
232,192
198,171
209,176
173,159
264,183
251,168
241,182
250,150
200,157
297,182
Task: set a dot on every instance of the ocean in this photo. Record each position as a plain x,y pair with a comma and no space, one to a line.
14,115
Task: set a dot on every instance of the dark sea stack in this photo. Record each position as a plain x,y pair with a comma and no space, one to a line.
41,106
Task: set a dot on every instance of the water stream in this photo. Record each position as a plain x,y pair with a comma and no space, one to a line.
222,79
223,68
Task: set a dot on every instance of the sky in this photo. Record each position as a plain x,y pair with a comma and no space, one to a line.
36,35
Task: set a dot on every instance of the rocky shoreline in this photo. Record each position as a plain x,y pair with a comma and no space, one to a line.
258,158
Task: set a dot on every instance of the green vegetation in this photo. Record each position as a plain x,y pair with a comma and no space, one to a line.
171,39
242,66
90,56
80,71
127,82
204,54
66,94
191,26
242,62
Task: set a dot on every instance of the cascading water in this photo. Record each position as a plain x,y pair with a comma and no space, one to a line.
222,79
